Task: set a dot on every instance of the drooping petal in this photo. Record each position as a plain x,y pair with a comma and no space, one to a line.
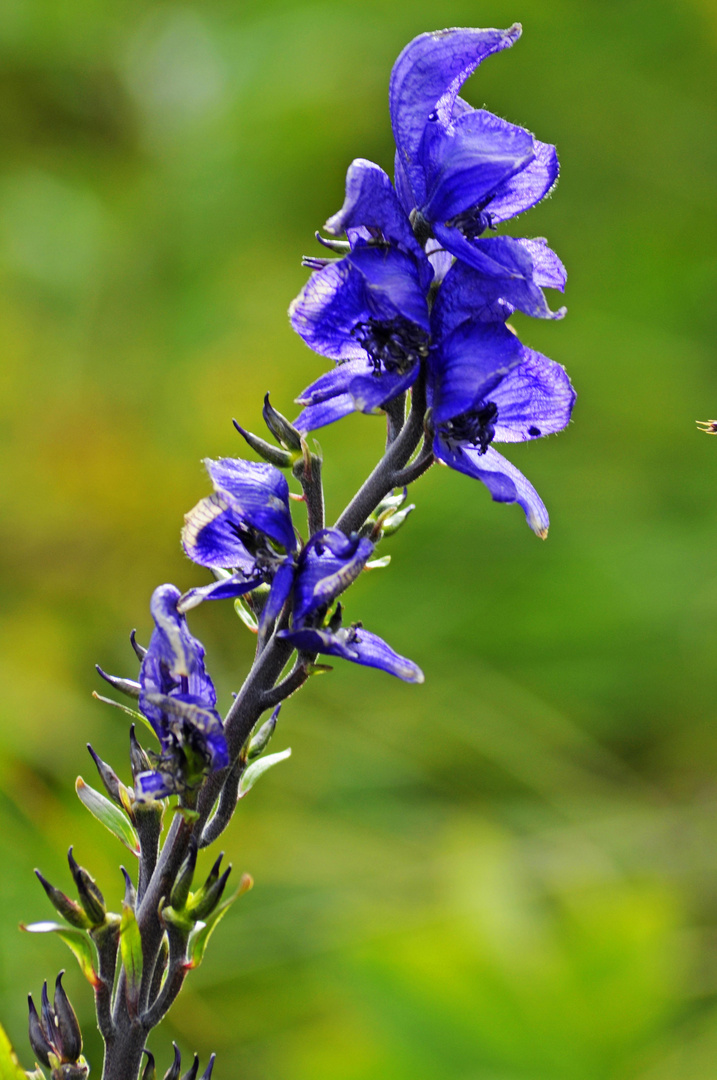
278,595
468,363
225,589
428,75
548,269
351,387
209,536
325,412
528,187
371,202
536,398
466,162
504,270
328,565
357,645
259,493
505,482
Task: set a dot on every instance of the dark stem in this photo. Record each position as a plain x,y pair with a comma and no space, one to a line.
417,468
225,806
176,974
395,418
312,486
383,478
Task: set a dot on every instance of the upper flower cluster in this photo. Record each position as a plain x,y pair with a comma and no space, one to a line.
419,291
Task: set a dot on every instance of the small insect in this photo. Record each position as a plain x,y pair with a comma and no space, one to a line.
708,426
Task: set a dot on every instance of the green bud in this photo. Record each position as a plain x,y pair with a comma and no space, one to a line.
284,432
180,891
90,896
283,459
70,910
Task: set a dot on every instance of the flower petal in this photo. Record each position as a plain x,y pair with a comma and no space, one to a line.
468,364
536,398
466,162
428,75
209,537
226,589
326,412
329,563
548,270
326,310
259,493
373,391
528,187
504,269
278,595
357,645
371,202
503,480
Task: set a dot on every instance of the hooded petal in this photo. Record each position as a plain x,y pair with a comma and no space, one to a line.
371,202
357,645
258,493
503,480
536,398
429,73
171,640
466,162
468,363
278,595
329,563
209,536
528,187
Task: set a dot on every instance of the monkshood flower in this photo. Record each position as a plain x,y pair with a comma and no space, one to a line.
178,698
244,526
532,398
461,170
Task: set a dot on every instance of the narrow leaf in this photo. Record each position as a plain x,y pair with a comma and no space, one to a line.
202,931
10,1067
136,716
108,814
131,950
258,768
378,564
76,940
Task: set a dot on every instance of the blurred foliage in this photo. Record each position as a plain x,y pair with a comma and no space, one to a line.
511,872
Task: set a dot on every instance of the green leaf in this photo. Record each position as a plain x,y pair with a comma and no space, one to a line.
131,951
258,768
246,614
202,931
108,814
10,1067
136,716
76,940
378,564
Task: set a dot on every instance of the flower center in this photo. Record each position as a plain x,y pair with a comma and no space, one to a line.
477,427
393,345
472,223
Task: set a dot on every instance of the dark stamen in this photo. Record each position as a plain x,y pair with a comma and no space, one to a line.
477,427
393,345
473,222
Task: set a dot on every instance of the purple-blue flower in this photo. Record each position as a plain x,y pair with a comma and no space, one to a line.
461,170
357,645
178,698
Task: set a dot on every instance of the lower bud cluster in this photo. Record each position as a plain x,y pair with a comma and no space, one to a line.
55,1035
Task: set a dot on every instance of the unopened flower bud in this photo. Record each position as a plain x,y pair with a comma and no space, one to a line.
41,1048
207,1074
70,910
208,897
138,758
275,455
191,1073
284,432
108,776
140,650
125,686
172,1072
130,893
68,1029
150,1070
90,896
180,891
260,741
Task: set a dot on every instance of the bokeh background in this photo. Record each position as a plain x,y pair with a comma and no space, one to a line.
509,873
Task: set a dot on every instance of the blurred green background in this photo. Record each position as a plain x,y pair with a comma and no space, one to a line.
509,873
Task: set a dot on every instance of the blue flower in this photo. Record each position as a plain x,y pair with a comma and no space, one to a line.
357,645
532,396
367,311
461,170
244,526
178,698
